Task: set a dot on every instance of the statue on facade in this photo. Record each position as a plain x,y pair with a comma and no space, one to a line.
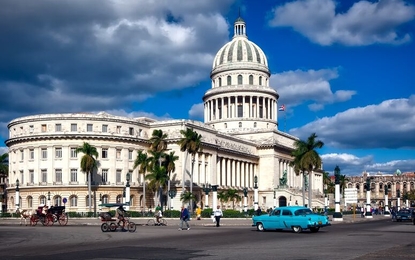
283,180
306,182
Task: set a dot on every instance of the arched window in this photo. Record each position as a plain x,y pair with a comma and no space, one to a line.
57,201
42,200
73,201
260,81
239,79
229,79
251,80
132,200
105,199
240,124
119,199
29,201
87,201
220,82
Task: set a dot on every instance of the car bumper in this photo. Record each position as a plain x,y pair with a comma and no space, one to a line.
318,225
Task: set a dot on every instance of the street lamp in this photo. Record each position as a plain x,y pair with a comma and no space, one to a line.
172,194
386,211
368,213
127,191
17,194
275,199
207,188
337,215
398,195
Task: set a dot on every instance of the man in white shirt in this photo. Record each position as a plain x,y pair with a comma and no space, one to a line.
218,214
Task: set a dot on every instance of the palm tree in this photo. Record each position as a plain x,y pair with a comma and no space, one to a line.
187,197
233,196
158,178
343,181
191,142
306,159
169,163
222,197
88,164
4,165
143,163
158,141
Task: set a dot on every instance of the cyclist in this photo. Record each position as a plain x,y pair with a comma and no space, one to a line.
121,217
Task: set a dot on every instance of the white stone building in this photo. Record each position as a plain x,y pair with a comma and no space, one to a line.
240,140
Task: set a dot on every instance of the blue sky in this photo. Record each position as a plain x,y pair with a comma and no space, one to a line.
343,69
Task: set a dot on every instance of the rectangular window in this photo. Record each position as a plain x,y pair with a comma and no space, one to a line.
31,129
21,177
104,128
131,131
74,127
118,129
118,154
104,175
32,176
44,153
104,153
58,152
58,127
43,128
240,111
21,155
74,175
130,154
89,127
31,154
73,201
58,175
118,176
44,176
74,154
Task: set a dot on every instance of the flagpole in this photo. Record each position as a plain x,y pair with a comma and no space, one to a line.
285,121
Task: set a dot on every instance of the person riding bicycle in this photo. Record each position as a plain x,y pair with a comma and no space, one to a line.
121,216
159,215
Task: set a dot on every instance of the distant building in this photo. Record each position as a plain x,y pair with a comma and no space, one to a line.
240,140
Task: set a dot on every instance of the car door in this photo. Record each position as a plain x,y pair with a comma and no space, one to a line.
286,218
274,219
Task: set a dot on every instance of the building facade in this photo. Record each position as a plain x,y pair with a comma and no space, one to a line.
240,141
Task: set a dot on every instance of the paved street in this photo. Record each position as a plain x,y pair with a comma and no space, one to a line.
357,238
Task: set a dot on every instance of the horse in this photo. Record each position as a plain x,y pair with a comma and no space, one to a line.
23,215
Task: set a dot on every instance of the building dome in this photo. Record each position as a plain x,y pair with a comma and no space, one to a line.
240,53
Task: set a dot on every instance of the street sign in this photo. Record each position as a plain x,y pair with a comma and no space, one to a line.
350,195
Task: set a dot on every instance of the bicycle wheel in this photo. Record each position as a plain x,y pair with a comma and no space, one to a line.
63,219
131,227
105,227
163,222
151,222
113,227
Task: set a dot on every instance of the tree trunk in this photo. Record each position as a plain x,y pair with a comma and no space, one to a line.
310,189
89,191
303,189
191,183
184,172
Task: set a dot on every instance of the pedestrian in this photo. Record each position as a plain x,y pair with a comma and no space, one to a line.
218,214
259,211
198,213
184,217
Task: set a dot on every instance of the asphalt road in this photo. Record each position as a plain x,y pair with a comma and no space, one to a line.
376,238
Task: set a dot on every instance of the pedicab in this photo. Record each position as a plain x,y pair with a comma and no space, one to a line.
111,223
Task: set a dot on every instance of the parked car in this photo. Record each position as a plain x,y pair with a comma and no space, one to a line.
402,215
297,218
413,216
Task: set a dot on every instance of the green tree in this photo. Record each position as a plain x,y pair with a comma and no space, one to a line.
307,159
158,141
222,197
169,164
328,183
142,162
4,165
158,178
187,197
191,142
343,181
232,195
88,164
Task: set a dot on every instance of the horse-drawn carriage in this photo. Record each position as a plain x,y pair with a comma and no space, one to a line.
111,223
48,216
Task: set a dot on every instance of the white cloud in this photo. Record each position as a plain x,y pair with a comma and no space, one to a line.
364,23
197,111
296,87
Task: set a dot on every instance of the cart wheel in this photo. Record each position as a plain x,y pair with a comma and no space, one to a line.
43,220
151,222
105,227
49,220
63,219
113,227
33,220
131,227
163,222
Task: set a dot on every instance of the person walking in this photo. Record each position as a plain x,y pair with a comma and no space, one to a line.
184,217
218,214
198,213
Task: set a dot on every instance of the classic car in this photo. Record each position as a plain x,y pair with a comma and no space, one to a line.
402,215
297,218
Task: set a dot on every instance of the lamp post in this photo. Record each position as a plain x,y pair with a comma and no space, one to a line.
255,192
386,212
127,191
245,190
172,194
48,198
123,196
207,188
337,216
17,195
214,196
368,213
398,194
275,199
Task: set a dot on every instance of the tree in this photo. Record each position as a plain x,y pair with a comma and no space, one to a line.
158,141
158,178
143,163
306,159
169,164
4,165
187,197
232,195
343,181
88,164
191,142
222,197
327,182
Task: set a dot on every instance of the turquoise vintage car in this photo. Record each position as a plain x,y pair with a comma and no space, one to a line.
297,218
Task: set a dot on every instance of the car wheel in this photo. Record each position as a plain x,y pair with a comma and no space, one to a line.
260,227
297,229
314,229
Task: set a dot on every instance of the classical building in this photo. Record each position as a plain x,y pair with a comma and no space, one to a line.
240,140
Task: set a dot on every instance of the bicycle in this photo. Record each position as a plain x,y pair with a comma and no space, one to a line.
153,222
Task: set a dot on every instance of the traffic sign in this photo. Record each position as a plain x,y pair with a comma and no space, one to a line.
350,195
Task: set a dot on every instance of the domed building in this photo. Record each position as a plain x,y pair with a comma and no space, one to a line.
242,148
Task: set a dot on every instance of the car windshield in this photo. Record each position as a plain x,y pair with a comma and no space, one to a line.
404,212
303,212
